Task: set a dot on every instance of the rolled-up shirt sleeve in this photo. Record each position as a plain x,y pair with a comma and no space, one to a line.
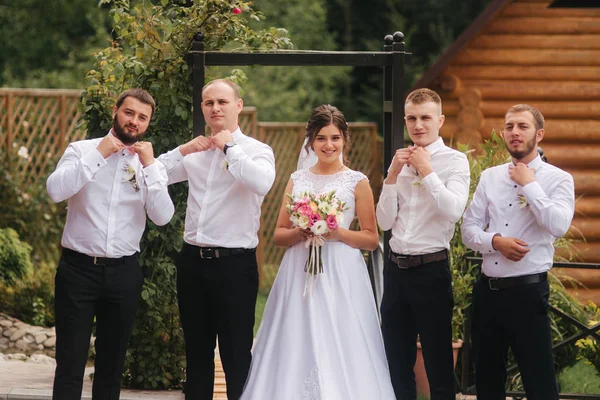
257,173
73,172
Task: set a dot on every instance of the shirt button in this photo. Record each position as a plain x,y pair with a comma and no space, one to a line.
510,205
496,263
98,164
515,185
505,224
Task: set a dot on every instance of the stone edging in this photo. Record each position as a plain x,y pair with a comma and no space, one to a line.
18,337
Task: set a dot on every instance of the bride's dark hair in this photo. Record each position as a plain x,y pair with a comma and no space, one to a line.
322,116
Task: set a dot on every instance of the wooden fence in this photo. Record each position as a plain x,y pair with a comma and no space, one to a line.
46,121
43,121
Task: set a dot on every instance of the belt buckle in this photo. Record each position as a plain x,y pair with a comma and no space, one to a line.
490,280
398,258
207,257
96,261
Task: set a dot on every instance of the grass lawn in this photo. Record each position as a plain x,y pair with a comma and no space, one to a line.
580,378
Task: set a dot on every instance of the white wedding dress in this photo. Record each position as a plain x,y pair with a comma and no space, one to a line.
326,345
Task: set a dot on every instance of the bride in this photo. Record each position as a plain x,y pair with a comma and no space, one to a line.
324,343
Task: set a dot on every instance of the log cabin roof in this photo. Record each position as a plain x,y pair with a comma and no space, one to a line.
494,10
470,33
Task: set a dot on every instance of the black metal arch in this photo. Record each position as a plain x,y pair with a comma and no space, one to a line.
392,59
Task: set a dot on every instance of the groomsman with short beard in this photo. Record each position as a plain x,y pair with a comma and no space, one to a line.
111,183
517,212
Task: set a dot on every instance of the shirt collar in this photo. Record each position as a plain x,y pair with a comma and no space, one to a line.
237,134
533,164
435,146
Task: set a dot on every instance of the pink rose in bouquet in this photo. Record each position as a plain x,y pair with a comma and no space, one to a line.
321,213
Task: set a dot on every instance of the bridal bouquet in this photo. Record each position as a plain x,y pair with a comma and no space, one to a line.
321,213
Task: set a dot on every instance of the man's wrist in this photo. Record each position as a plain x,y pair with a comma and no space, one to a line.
497,235
183,149
424,171
149,163
391,179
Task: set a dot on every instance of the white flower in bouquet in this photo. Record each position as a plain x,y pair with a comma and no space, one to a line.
326,208
303,222
319,228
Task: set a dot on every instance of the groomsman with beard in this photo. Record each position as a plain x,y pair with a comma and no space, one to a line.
517,212
111,184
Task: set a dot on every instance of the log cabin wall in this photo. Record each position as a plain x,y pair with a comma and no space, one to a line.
524,52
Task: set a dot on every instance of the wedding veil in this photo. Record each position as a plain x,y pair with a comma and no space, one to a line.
308,158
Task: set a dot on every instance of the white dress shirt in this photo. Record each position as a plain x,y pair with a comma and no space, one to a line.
106,216
225,191
422,212
536,213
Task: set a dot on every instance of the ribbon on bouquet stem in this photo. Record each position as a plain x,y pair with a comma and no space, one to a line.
314,264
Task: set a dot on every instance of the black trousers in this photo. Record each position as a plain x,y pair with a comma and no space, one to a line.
217,298
111,294
515,317
419,301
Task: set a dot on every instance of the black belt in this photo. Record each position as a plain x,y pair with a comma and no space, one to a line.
405,262
76,256
217,252
506,283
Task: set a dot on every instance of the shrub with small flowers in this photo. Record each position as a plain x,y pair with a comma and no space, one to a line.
589,348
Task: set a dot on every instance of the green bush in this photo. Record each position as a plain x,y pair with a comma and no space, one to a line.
579,378
148,52
26,293
31,299
28,209
15,259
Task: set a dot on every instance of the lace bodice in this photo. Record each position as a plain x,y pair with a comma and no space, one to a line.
342,182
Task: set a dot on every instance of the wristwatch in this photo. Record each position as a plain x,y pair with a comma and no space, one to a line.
228,145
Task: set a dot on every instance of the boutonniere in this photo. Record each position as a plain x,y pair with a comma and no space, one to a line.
224,165
129,176
522,201
418,178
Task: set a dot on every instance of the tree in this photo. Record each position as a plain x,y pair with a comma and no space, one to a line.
429,27
49,43
290,93
150,44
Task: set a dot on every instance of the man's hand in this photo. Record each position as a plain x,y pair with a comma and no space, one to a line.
521,174
512,248
221,138
421,160
109,145
145,152
197,144
400,159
